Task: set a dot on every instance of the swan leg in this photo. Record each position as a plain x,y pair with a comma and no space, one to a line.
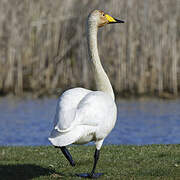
67,155
92,174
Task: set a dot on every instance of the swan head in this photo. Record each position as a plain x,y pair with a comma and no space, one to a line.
101,18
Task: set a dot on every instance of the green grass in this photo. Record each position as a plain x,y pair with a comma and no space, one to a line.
116,162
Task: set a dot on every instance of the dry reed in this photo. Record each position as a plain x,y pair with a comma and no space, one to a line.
43,46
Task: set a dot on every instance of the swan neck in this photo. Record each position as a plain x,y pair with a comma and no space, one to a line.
101,78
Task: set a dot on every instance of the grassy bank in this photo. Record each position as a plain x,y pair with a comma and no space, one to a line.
116,162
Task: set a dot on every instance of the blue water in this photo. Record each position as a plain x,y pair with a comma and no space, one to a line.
151,121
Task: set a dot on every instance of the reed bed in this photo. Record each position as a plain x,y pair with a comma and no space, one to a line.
44,51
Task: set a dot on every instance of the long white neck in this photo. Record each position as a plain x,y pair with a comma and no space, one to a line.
101,78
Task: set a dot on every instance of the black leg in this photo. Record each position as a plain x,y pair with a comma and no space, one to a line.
96,157
67,155
92,174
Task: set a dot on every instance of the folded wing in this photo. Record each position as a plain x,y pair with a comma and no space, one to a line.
66,108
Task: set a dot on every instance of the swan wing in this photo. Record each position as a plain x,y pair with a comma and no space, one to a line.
66,107
96,109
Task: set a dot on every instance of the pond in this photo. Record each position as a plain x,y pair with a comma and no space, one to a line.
149,121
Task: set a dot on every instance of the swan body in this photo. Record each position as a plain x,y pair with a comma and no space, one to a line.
83,115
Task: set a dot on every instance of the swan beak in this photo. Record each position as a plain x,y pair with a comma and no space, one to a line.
112,20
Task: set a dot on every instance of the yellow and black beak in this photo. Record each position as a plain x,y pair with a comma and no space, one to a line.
112,20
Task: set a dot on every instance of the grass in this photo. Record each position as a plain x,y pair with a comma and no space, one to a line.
116,162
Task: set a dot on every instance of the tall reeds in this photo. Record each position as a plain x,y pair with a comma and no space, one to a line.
43,46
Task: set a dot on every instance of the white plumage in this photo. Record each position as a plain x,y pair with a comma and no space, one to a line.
83,116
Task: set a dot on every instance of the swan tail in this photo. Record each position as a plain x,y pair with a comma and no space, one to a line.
66,137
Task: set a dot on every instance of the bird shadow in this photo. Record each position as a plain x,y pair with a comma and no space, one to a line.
24,171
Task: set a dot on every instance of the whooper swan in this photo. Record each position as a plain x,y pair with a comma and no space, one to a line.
83,115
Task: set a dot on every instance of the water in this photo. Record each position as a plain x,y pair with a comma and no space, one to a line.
153,121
